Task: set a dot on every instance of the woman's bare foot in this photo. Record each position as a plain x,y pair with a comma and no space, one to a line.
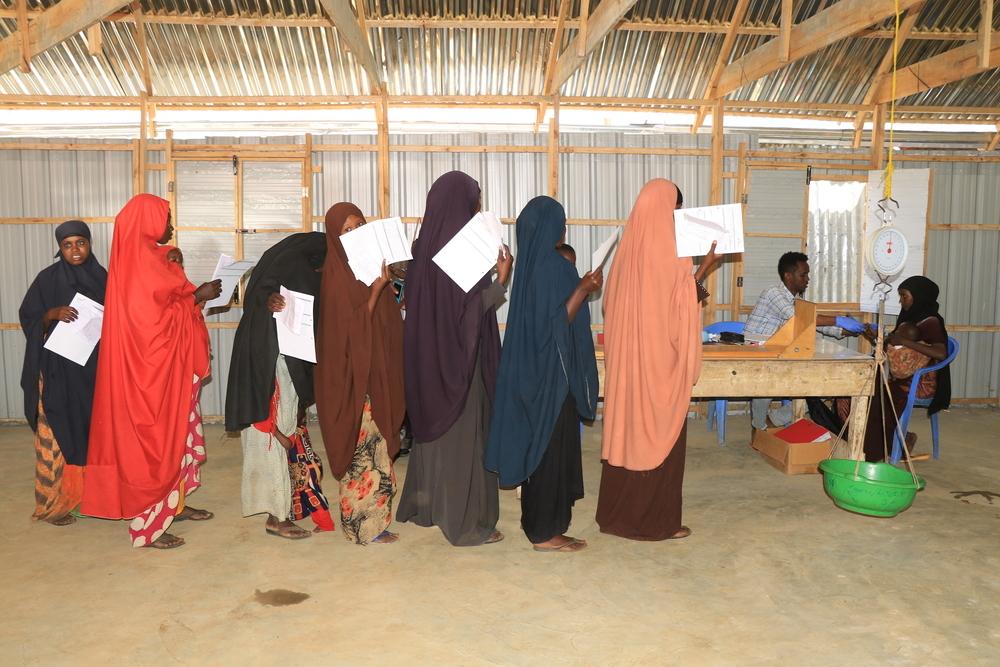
561,543
495,536
680,534
191,514
285,529
166,541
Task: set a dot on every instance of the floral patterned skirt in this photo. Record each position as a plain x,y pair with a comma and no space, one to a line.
305,469
368,486
58,485
148,526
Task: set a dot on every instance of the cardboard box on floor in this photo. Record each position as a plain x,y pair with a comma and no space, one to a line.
799,458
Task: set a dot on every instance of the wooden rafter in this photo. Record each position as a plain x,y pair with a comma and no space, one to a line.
785,36
343,18
23,34
140,42
985,31
601,22
841,20
584,16
885,69
550,65
48,28
954,65
95,40
995,141
739,13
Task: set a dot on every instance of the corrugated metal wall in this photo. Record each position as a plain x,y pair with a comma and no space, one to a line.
592,186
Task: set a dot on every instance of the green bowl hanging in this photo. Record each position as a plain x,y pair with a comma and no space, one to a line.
878,489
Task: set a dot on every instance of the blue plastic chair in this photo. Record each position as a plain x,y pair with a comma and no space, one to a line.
716,414
912,401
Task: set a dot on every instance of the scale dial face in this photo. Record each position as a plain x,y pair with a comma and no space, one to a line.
887,250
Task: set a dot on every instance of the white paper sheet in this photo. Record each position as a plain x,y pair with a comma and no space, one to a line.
229,271
473,251
76,340
696,228
373,243
910,187
295,325
604,251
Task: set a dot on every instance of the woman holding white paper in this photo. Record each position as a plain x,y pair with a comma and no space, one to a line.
58,392
359,385
452,351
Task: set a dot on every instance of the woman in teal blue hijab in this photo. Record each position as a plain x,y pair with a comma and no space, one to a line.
547,380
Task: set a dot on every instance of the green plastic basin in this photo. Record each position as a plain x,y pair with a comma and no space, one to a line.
878,489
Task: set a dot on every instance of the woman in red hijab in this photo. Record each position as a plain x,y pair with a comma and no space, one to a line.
146,440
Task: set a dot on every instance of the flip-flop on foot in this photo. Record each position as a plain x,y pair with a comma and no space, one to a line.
570,546
192,514
166,541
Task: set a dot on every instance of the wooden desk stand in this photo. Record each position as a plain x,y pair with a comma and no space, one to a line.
796,339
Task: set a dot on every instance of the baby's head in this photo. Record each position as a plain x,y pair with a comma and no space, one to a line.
908,331
567,251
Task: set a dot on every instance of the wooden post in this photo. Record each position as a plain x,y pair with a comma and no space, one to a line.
715,197
878,137
140,42
581,47
307,180
554,149
136,168
785,36
168,152
143,128
382,112
736,291
95,40
985,32
25,36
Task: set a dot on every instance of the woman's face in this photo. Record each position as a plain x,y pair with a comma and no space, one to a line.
352,223
905,299
168,233
479,204
74,250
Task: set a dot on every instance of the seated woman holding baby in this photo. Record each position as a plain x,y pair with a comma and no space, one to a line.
919,339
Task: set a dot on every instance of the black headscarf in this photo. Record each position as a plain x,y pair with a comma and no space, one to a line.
925,294
446,330
68,387
292,262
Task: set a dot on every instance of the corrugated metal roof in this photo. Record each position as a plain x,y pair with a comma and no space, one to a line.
299,54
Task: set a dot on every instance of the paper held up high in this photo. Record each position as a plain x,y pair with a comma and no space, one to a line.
76,340
696,228
473,251
229,271
371,244
295,325
604,251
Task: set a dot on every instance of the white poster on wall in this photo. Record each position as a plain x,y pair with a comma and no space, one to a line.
910,187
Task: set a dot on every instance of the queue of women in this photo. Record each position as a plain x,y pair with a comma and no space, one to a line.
122,438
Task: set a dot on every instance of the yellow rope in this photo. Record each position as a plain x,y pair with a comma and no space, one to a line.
890,167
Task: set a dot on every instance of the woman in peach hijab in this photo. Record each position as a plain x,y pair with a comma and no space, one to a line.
652,328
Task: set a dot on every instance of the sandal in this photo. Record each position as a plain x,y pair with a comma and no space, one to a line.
192,514
166,541
385,537
62,521
287,530
495,536
681,534
571,545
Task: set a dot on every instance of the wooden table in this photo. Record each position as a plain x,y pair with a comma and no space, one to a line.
833,371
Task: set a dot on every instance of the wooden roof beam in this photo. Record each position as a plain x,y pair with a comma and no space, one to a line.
602,21
54,25
841,20
22,33
953,65
343,18
739,13
550,66
985,31
785,36
885,69
995,141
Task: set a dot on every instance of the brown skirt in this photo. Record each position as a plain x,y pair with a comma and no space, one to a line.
643,505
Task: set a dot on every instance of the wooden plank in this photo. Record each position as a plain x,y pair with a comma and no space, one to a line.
550,66
140,41
715,197
60,22
23,34
584,15
785,36
603,20
736,293
382,111
985,41
954,65
95,40
554,150
885,68
739,13
307,184
346,22
53,221
840,20
995,141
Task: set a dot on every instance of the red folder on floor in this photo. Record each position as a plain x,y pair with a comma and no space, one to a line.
803,431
